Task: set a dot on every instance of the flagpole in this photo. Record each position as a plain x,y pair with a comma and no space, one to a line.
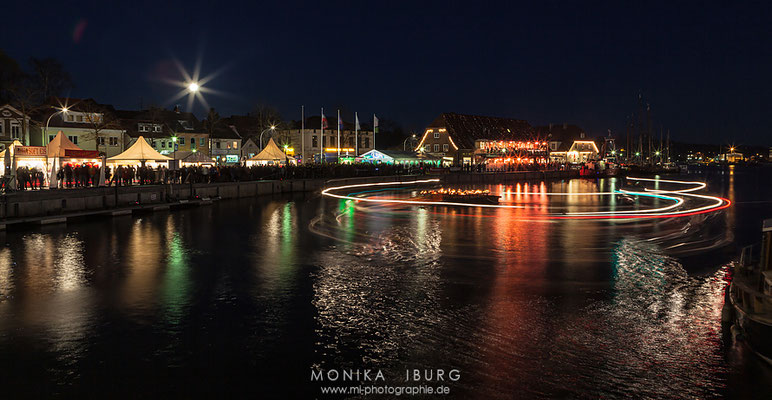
338,135
375,128
303,134
356,135
321,142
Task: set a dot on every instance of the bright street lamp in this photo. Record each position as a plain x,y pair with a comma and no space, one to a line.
193,87
404,143
62,110
271,128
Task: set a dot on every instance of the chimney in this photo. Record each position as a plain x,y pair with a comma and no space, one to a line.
550,126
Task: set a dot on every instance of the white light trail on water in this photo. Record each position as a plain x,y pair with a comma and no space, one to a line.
662,212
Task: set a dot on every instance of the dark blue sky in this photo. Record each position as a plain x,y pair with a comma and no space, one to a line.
706,69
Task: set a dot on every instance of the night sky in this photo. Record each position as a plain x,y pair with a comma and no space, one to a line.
705,69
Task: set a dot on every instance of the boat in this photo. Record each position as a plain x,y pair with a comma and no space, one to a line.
459,196
750,295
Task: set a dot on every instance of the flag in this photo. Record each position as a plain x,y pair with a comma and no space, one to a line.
340,122
356,118
375,124
324,122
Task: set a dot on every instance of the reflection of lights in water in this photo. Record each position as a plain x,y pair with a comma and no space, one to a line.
672,318
144,255
662,212
69,266
6,273
176,284
55,296
275,252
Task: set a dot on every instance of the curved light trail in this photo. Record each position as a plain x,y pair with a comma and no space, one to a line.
669,211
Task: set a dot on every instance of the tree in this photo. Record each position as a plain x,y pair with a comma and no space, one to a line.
390,134
211,123
29,91
25,97
267,116
99,118
50,77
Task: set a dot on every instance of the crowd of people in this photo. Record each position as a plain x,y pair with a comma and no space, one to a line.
128,175
88,175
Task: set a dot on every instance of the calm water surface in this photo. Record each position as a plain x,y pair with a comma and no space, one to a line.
245,297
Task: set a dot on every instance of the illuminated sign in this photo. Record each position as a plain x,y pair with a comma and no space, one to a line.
231,158
30,151
72,153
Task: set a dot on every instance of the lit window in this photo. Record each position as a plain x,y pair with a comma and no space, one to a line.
444,147
15,130
235,145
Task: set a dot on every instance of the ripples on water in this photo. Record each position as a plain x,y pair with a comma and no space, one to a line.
245,296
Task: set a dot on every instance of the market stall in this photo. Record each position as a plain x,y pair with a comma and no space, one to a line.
62,153
139,154
6,156
397,157
271,155
197,159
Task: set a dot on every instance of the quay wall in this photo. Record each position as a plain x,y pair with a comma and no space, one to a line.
45,203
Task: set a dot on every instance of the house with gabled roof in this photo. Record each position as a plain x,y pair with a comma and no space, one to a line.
462,139
13,124
166,130
85,122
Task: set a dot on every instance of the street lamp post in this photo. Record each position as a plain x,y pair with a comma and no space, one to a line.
404,143
52,175
174,152
62,110
271,128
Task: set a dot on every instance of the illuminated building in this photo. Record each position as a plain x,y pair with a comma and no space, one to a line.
568,143
160,126
308,146
455,138
87,124
225,145
11,127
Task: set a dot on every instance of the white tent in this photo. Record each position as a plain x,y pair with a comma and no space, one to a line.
197,158
270,154
138,152
60,143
